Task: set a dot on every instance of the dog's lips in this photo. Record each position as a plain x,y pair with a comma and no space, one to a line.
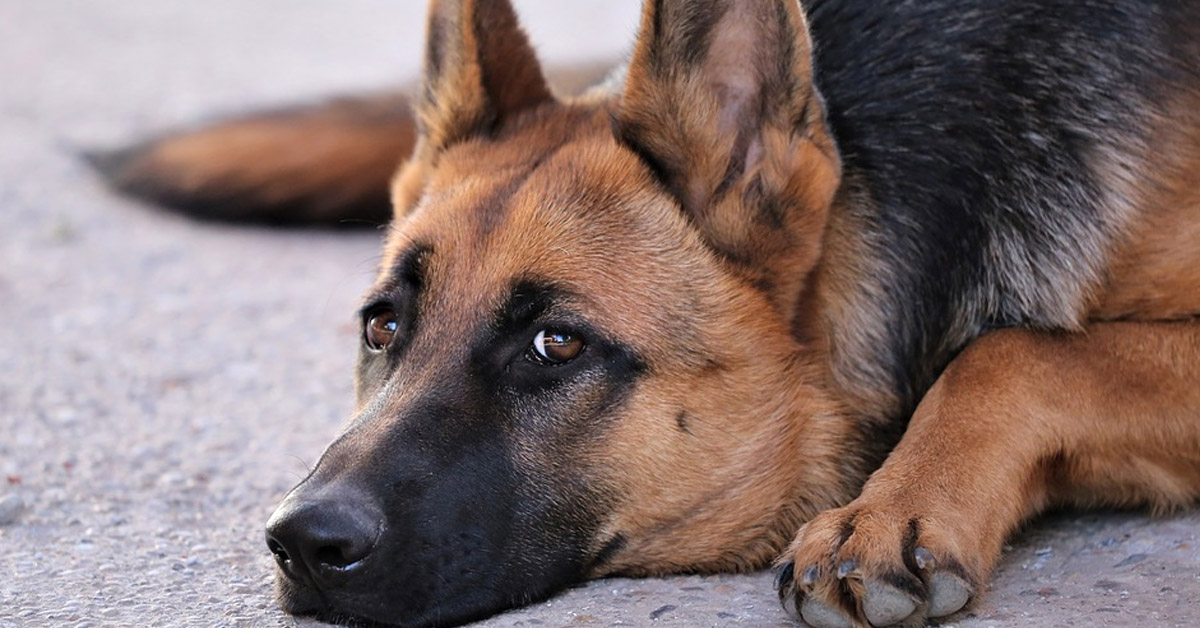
297,599
304,600
358,621
302,596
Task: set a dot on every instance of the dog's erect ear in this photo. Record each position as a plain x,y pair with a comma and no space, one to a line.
709,80
479,69
719,101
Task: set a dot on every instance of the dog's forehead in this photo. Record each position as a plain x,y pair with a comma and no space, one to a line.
578,212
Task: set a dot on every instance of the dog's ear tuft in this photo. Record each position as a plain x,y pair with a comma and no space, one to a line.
479,70
719,101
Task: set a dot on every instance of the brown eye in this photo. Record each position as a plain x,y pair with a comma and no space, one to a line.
552,347
381,329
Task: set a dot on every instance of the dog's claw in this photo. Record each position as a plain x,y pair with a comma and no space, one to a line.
924,558
846,569
820,615
784,576
809,577
948,594
885,605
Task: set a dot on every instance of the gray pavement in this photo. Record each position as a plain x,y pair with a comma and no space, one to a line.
163,382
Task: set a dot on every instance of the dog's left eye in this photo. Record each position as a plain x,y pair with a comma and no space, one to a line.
551,347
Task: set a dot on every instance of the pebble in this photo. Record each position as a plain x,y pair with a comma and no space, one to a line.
10,509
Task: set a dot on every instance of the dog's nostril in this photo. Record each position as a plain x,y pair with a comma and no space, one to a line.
332,556
342,551
280,554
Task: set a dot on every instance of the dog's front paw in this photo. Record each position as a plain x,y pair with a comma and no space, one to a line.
878,564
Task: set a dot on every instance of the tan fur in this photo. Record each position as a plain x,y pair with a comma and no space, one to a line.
1155,274
848,285
315,165
721,495
344,157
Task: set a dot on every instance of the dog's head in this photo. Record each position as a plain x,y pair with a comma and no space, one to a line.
579,357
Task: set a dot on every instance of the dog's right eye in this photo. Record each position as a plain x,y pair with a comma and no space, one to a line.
380,329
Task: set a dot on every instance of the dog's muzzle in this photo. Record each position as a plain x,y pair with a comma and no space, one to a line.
423,520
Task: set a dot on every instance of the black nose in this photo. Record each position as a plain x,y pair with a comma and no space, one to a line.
322,541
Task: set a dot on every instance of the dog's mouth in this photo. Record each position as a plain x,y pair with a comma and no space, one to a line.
307,602
350,621
304,599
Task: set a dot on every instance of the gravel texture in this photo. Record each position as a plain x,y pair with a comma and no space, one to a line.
163,382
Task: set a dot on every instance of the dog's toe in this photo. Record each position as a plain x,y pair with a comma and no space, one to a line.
818,614
884,605
948,594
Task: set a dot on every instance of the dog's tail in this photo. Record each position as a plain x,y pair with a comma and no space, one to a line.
325,165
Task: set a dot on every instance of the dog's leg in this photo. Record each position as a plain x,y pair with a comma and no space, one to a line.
1019,421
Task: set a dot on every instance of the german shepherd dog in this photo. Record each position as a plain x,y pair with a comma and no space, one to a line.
854,288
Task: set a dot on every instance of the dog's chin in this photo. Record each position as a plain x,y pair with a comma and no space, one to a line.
302,607
301,600
295,599
351,621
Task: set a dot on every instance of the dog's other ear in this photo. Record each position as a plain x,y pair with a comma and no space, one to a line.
719,101
479,70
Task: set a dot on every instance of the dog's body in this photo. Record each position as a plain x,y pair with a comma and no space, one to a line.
662,326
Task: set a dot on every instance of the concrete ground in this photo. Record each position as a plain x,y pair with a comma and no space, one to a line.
163,382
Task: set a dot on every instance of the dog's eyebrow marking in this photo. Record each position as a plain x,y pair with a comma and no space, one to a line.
410,270
528,300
